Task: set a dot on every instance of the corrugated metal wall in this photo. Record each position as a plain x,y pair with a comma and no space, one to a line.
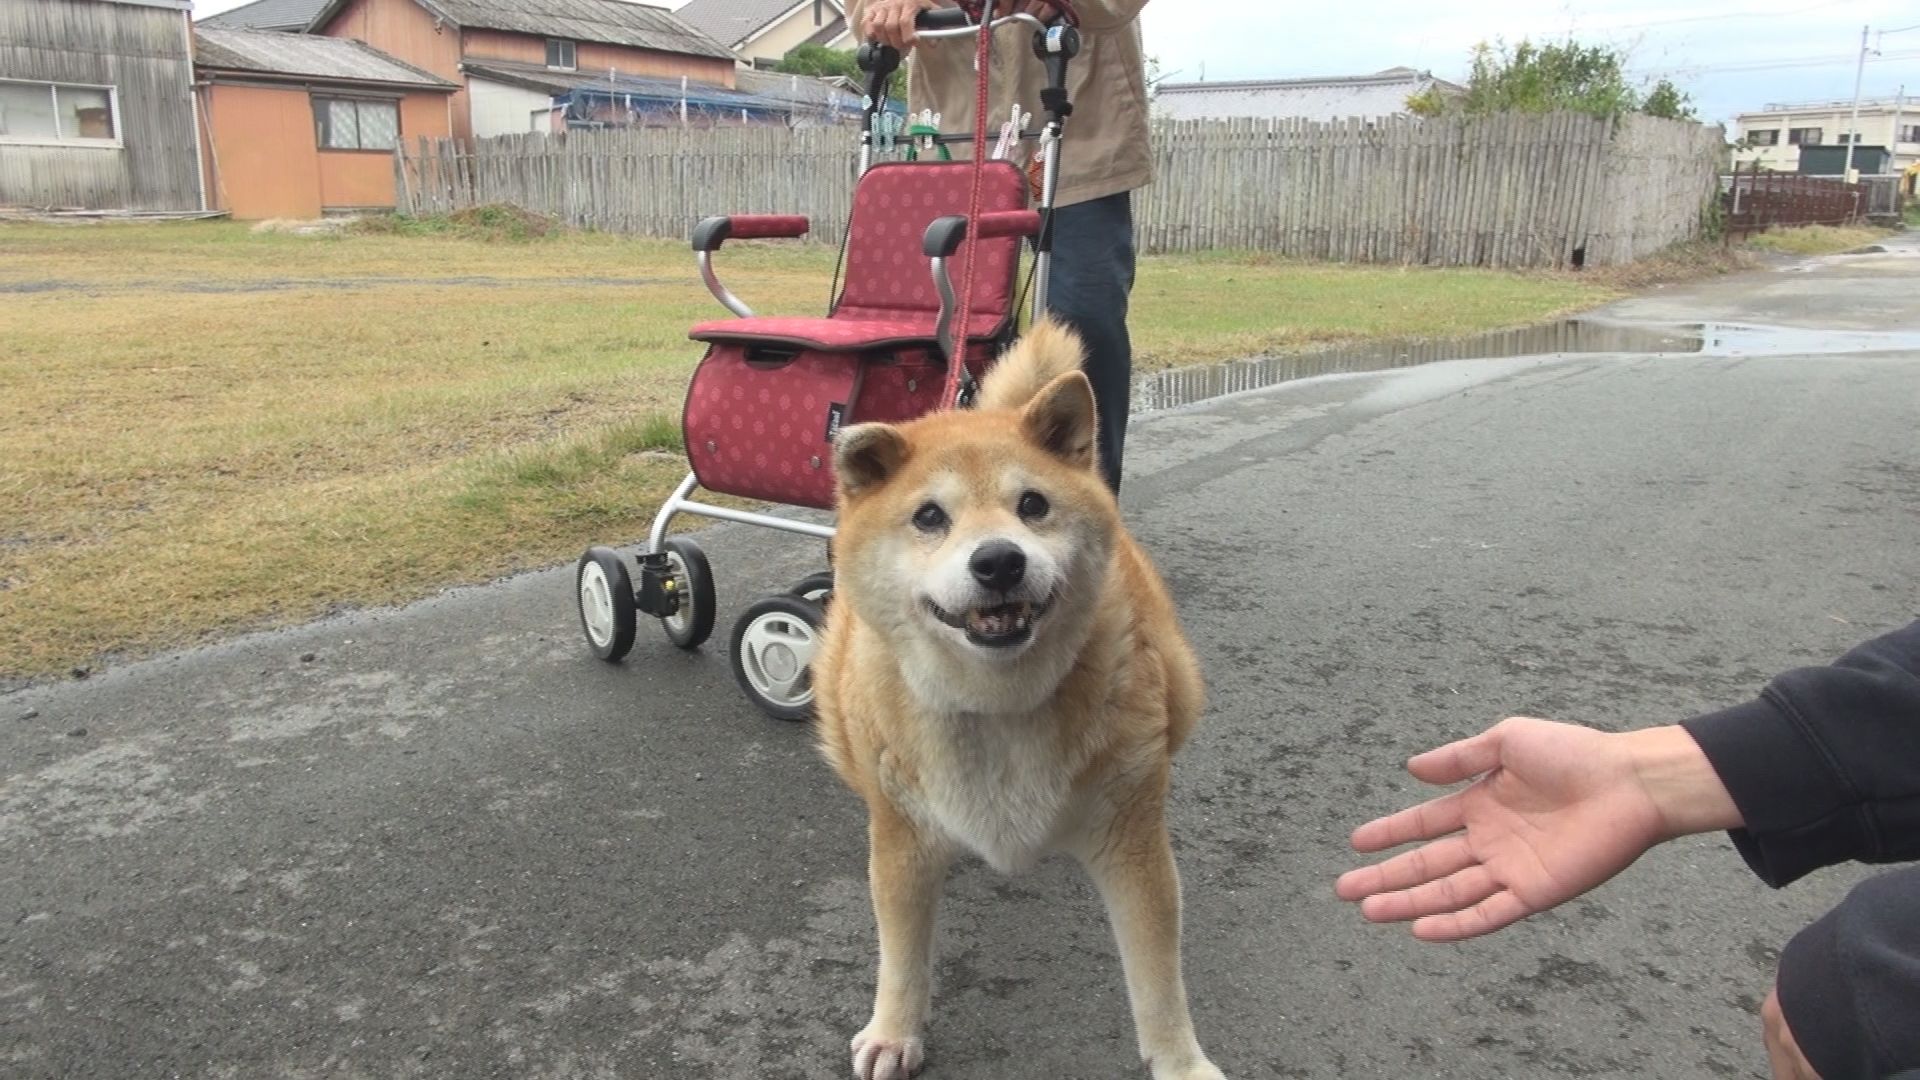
140,49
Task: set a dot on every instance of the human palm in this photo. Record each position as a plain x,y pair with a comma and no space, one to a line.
1556,811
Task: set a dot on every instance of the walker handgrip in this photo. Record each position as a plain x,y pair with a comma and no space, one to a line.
942,19
714,231
954,23
945,234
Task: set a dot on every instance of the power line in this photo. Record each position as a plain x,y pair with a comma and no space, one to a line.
1704,18
1774,65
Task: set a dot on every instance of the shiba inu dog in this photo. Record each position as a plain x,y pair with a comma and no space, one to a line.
1002,672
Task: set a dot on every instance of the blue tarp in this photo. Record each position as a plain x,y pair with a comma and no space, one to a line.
626,99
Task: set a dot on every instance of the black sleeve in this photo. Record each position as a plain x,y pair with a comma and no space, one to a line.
1825,764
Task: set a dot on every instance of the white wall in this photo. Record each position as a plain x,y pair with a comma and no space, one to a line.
499,109
789,32
1876,126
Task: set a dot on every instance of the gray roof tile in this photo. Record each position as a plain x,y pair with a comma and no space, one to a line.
275,53
611,22
730,22
267,15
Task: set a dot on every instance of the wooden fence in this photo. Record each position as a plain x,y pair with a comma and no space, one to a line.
1757,200
1508,191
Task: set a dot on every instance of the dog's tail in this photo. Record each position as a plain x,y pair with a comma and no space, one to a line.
1045,352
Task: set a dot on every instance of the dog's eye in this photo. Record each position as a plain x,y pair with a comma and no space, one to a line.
1033,506
930,518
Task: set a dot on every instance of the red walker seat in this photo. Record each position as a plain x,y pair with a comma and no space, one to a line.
772,391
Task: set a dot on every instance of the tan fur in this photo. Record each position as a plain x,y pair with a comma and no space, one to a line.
1045,352
1067,745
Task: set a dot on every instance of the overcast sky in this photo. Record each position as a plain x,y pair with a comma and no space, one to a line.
1729,55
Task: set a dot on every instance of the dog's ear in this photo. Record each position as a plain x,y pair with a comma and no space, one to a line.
866,454
1061,419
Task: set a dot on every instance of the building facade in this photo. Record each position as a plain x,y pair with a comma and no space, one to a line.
761,32
1370,97
96,106
300,125
584,39
1774,135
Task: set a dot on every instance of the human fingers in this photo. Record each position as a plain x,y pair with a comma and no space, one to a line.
891,22
873,23
1455,892
1431,819
1429,862
1783,1052
903,32
1461,760
1496,912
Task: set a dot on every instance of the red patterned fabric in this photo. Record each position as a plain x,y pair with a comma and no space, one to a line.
772,392
759,421
766,226
883,330
892,207
1009,223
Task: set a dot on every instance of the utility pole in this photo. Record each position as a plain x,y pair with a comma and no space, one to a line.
1853,124
1893,144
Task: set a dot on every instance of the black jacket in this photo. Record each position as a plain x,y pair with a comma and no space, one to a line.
1825,768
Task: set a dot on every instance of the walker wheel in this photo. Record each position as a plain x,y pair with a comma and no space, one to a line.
690,627
774,643
605,593
817,587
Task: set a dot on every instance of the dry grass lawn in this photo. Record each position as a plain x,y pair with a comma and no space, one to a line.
1817,239
206,428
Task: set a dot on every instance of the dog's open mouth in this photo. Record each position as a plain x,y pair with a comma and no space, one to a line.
998,626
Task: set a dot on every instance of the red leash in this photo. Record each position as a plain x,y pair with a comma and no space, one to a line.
982,13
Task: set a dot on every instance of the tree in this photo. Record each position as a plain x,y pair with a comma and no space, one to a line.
1555,77
1665,100
820,61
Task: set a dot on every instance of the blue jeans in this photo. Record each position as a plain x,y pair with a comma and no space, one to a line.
1091,280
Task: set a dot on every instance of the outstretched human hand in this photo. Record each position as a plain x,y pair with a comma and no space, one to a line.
1556,810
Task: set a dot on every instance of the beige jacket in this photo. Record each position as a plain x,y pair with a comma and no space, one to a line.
1105,149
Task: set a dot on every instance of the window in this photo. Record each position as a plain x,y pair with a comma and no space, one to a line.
1845,139
355,124
1764,137
59,112
1910,133
1803,136
560,54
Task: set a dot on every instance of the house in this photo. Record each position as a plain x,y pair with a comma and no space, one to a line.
1835,161
286,16
764,31
593,39
298,125
1773,136
96,105
1370,97
512,98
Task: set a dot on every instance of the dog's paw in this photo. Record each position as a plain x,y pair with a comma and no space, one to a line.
1198,1068
885,1056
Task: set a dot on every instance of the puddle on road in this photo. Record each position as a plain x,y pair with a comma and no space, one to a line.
1184,386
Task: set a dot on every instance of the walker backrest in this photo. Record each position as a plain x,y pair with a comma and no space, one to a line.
887,274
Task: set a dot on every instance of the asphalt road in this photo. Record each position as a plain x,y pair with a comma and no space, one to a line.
443,841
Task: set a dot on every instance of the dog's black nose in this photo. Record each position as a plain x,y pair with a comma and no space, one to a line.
998,564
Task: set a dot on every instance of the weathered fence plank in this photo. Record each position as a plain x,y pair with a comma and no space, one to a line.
1512,190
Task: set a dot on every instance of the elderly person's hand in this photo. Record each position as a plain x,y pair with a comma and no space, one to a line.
890,22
